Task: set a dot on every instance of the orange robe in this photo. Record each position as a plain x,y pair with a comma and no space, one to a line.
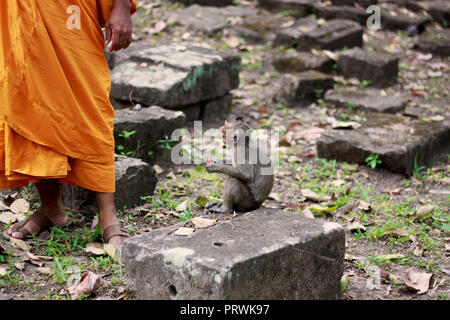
56,120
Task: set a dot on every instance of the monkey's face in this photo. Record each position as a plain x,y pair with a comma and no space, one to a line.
233,131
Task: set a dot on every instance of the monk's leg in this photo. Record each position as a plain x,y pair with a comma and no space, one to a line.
107,215
51,212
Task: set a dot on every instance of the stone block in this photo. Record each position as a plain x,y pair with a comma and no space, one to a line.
211,3
400,142
208,110
378,67
352,2
434,41
308,33
357,14
302,61
368,99
175,75
303,7
134,178
259,29
397,21
303,88
263,254
150,125
208,20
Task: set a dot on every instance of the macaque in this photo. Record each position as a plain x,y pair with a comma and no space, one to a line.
250,178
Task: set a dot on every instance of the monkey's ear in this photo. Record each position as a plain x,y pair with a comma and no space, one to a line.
240,119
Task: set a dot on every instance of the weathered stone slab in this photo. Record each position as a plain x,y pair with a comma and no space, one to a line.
367,99
303,7
209,20
134,178
304,88
117,57
302,61
435,41
398,21
212,3
357,14
438,10
378,67
263,254
149,125
259,29
309,33
208,110
352,2
399,141
175,75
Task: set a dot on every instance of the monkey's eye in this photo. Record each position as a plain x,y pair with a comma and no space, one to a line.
235,138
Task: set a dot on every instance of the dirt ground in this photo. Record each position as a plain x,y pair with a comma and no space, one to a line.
385,234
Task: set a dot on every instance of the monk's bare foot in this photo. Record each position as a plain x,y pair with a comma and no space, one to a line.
109,224
37,222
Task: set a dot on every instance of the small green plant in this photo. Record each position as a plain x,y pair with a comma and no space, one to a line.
165,143
121,148
372,160
318,93
365,83
350,106
416,168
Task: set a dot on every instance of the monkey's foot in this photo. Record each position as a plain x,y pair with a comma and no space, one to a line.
216,207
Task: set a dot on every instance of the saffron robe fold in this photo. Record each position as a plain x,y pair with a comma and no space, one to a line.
56,120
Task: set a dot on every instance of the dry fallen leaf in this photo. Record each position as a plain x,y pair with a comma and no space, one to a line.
424,210
417,281
232,41
356,226
111,250
182,206
7,217
184,231
88,283
158,169
20,265
19,244
311,195
44,270
20,206
397,232
273,196
95,248
3,271
307,213
200,222
364,205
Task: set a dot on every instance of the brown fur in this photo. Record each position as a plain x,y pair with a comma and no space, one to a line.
245,188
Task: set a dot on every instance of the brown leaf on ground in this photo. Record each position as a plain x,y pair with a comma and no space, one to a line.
397,232
200,222
88,283
184,231
307,213
20,244
7,217
417,281
20,206
96,248
311,195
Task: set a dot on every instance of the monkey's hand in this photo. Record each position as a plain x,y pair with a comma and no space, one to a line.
211,167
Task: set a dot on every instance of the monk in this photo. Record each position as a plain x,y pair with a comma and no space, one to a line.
56,120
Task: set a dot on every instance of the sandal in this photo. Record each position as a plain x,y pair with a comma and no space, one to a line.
113,231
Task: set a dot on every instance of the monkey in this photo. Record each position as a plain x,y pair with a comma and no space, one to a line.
248,180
